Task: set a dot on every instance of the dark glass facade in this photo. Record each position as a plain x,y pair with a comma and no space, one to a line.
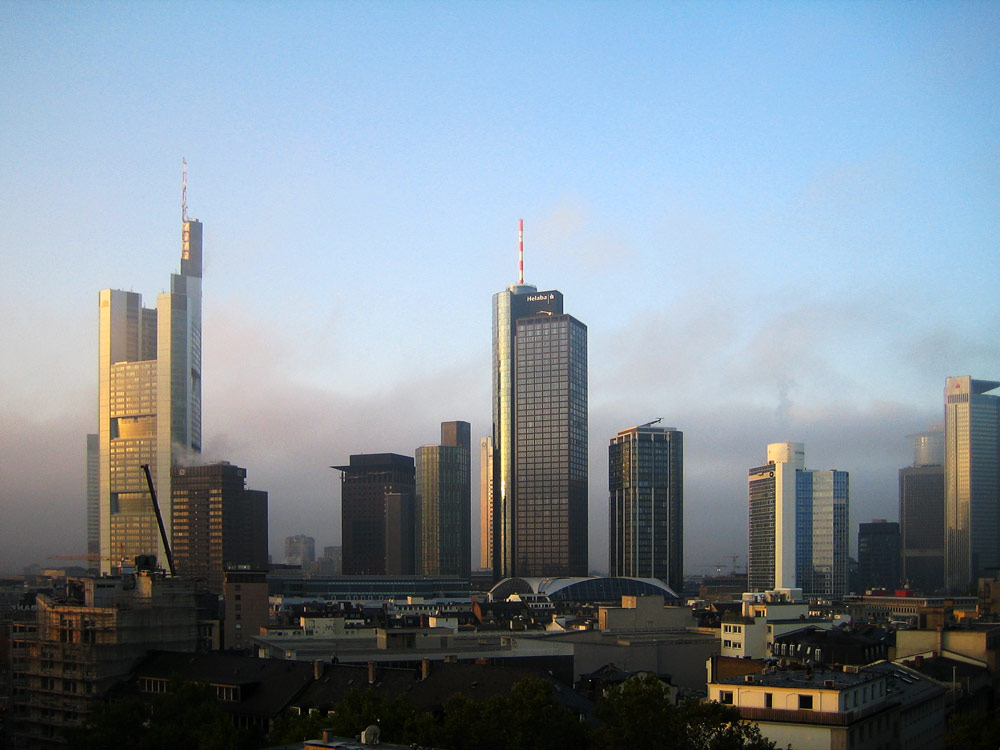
921,527
646,486
539,435
878,555
376,504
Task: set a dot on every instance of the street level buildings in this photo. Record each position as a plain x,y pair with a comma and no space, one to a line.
149,402
442,513
921,514
972,481
216,521
377,514
798,525
646,486
539,435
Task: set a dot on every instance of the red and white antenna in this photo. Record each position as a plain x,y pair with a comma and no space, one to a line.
520,251
184,189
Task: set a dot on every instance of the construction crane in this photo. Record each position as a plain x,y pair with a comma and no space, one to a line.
159,520
650,424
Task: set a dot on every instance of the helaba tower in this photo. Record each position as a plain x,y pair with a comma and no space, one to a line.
539,433
149,401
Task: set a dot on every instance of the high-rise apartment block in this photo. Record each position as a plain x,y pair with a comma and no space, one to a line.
377,518
539,435
149,402
217,521
646,485
878,554
486,503
798,530
443,504
921,514
972,481
300,550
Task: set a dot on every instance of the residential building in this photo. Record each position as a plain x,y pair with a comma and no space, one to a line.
486,503
149,402
972,481
921,514
245,597
82,640
539,435
377,492
878,554
217,521
798,528
646,485
443,504
300,550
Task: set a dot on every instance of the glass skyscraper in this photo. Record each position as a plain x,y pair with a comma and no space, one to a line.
539,435
646,487
972,481
921,514
149,402
442,512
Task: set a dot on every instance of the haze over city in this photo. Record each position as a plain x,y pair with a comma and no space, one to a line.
778,222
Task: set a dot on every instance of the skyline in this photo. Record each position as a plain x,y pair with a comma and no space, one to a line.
796,205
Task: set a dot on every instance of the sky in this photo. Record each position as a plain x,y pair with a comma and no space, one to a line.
778,220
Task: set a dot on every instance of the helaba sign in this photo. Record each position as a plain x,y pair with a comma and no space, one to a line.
540,297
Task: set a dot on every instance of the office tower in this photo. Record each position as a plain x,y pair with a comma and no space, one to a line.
149,401
245,605
93,498
798,530
646,484
377,505
972,481
443,504
921,513
878,554
539,435
486,503
216,521
300,550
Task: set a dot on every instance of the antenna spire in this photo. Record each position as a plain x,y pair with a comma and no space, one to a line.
184,189
520,251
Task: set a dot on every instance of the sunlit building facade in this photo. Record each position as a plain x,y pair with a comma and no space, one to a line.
646,504
442,512
486,503
149,403
972,481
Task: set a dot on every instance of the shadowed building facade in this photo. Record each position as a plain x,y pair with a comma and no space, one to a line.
443,509
377,494
646,486
972,481
539,435
921,514
149,402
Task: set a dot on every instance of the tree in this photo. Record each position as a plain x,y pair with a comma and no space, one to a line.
978,731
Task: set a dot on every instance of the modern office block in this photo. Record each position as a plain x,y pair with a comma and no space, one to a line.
646,485
486,503
443,504
539,435
798,525
149,402
93,497
300,550
972,481
921,514
377,492
879,555
217,521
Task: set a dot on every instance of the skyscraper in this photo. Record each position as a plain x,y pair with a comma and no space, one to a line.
300,550
377,514
486,502
972,481
93,497
442,510
878,554
646,485
217,521
539,435
921,514
149,401
798,529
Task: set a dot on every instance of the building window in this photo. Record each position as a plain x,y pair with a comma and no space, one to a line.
805,702
768,700
726,697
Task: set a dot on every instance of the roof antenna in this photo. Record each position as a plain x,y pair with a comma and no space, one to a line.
184,189
520,251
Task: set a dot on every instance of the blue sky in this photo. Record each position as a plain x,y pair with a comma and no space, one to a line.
778,221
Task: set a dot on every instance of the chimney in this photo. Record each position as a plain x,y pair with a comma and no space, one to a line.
371,673
317,668
425,668
918,661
